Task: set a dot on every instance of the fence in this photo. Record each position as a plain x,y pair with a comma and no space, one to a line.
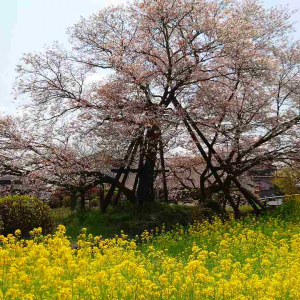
278,200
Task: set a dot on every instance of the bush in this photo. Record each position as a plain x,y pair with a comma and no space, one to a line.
94,202
134,220
214,206
54,202
199,213
287,180
66,202
24,213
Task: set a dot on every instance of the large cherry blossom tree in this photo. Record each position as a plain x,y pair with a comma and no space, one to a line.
225,71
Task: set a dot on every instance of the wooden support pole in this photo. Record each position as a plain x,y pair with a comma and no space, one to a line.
161,152
111,191
101,195
140,166
131,159
213,170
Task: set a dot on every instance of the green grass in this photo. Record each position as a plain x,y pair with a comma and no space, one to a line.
132,219
243,209
60,214
75,221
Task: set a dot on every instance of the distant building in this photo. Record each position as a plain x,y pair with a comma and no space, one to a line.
262,177
11,184
186,171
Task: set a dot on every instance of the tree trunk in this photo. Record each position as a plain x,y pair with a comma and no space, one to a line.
145,190
226,191
202,186
140,166
162,159
73,198
82,199
101,195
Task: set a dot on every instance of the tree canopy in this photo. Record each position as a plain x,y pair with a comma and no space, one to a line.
220,77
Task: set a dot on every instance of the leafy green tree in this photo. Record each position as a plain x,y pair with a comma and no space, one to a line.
288,180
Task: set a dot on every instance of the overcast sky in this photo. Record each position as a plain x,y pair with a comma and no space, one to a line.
28,25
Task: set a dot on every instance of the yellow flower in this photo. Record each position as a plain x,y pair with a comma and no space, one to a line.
18,232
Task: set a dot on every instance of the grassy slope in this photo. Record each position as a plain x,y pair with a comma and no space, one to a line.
131,219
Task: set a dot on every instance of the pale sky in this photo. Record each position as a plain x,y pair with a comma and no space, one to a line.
29,25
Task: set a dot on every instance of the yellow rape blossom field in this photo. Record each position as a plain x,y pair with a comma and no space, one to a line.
248,259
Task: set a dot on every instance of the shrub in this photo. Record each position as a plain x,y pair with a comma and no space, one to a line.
54,202
214,206
24,213
66,202
287,180
134,219
94,202
199,213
